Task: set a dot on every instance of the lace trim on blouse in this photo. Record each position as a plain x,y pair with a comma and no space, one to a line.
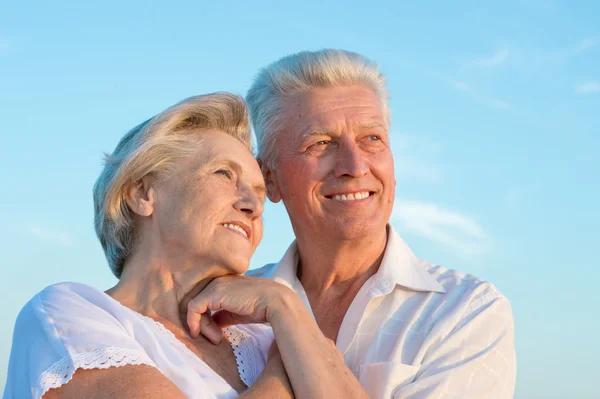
241,343
62,371
240,340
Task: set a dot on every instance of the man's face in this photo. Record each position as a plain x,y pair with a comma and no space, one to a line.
334,170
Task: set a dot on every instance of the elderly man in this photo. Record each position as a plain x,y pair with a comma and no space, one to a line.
405,327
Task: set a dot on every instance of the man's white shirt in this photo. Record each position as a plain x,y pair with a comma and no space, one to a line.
417,330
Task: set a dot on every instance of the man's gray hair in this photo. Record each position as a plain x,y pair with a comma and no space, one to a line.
300,72
153,148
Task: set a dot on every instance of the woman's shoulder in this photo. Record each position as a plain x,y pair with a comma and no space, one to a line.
66,301
70,326
70,291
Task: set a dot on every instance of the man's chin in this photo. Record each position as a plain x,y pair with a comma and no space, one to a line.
357,229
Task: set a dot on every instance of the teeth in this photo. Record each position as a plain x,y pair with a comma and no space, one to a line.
236,228
351,197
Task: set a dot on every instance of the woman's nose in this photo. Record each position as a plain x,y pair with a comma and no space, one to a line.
250,204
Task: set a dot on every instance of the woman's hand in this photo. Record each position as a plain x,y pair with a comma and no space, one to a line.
238,300
313,365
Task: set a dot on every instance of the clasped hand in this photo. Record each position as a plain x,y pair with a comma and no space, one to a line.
235,300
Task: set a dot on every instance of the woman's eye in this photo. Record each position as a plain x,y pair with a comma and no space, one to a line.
225,172
374,137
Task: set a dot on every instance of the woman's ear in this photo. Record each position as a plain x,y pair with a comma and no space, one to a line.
271,182
140,197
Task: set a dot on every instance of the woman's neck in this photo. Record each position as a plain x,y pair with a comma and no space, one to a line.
149,285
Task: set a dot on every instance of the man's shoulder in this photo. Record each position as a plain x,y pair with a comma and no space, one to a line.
266,271
458,284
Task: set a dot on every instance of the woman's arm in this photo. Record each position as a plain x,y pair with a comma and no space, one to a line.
140,382
130,381
315,367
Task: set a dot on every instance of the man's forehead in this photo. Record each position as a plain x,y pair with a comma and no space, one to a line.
320,99
309,111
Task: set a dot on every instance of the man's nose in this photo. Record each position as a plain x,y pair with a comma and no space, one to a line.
351,160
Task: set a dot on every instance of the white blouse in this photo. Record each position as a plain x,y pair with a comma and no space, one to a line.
72,326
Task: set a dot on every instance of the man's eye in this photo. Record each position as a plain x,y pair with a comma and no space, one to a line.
225,172
374,137
322,142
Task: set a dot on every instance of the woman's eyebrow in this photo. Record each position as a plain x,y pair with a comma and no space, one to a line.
261,190
234,165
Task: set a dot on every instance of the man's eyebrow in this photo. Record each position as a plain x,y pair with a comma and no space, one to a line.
327,132
316,132
371,125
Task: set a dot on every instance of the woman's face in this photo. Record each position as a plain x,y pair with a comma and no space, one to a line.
210,207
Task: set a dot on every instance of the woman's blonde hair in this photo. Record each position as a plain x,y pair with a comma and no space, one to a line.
153,148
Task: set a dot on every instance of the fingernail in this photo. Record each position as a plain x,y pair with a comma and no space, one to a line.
216,337
195,332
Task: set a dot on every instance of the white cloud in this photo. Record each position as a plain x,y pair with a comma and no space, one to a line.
449,228
543,59
57,237
498,58
487,101
460,85
493,102
589,87
586,44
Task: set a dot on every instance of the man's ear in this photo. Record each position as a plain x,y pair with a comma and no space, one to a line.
271,181
140,197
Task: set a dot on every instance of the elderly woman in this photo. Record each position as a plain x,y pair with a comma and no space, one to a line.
178,212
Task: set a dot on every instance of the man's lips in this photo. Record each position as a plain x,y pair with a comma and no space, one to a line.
239,227
354,195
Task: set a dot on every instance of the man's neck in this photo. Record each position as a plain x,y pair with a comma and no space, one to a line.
333,273
326,264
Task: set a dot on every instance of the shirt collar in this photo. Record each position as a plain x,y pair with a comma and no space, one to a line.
286,270
399,266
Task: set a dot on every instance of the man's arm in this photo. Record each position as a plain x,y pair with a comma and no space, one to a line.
273,382
475,360
315,368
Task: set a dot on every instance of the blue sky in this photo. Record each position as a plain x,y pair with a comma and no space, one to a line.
495,132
